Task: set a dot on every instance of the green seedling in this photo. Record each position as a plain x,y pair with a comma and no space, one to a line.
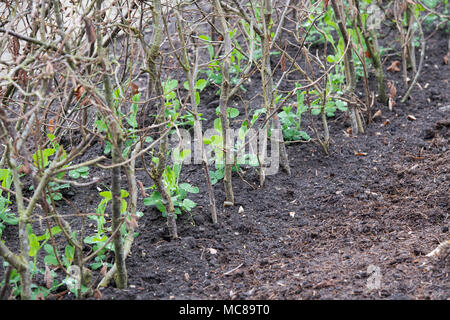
173,105
178,191
37,292
291,121
216,144
129,118
41,159
99,239
36,243
6,216
214,73
82,172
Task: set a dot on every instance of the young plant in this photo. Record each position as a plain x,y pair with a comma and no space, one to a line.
214,73
178,191
291,121
6,216
101,239
215,143
173,105
41,160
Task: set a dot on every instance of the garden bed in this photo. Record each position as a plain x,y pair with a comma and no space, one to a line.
357,223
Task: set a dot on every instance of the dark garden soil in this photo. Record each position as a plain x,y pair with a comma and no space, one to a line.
379,201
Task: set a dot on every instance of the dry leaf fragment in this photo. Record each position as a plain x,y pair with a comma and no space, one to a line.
134,89
142,188
40,296
391,103
79,92
51,125
48,278
104,269
376,115
283,63
133,221
97,294
392,94
49,69
22,77
394,67
14,47
392,89
349,131
90,30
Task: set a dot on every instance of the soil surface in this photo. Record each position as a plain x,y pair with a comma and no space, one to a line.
369,211
378,203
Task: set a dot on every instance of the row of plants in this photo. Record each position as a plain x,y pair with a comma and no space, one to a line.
112,80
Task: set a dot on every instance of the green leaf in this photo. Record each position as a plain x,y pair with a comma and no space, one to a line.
232,112
218,125
304,135
106,194
123,206
201,84
243,131
341,105
117,93
5,178
132,121
209,45
189,188
69,253
74,174
256,115
315,111
51,260
179,156
169,86
188,204
55,230
46,153
160,206
34,244
108,147
95,239
101,125
96,265
218,141
197,97
153,199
